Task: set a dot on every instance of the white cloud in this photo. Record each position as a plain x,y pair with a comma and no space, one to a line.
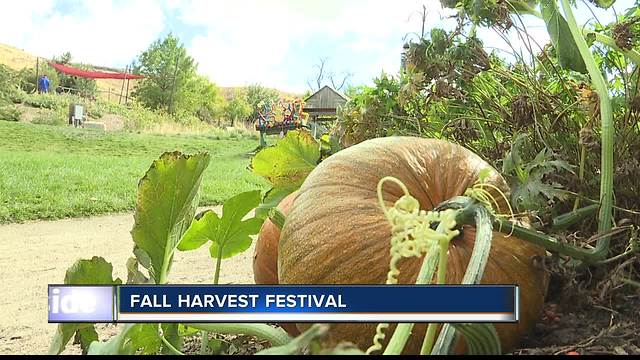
241,41
250,41
102,33
18,17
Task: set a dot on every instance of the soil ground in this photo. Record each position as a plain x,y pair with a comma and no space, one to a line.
588,314
582,315
36,254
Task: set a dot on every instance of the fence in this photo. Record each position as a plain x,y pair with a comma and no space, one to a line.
109,95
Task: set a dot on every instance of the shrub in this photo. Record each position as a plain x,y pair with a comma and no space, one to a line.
16,95
27,79
10,113
53,119
46,101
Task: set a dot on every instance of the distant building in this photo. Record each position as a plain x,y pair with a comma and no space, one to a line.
322,106
324,103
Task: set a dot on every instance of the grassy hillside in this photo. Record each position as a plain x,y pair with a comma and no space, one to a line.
50,172
18,59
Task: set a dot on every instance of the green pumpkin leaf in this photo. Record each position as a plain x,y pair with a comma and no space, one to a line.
186,331
513,160
142,339
96,271
568,53
286,165
298,345
166,205
229,234
605,4
171,332
273,198
524,7
290,161
114,346
134,275
64,334
329,145
85,336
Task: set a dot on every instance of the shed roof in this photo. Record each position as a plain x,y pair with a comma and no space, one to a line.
324,99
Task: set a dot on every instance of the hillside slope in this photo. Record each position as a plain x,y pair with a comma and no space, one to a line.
19,59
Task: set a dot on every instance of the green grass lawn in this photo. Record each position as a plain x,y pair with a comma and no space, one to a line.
49,172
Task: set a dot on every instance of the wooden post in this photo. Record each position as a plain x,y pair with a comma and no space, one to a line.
126,99
123,81
424,20
37,75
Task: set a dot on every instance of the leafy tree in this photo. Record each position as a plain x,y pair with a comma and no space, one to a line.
64,58
238,108
258,95
202,98
168,70
8,78
8,89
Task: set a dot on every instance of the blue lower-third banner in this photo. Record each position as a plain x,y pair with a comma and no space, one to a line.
358,303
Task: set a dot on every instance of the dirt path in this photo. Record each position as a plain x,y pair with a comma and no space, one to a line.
34,255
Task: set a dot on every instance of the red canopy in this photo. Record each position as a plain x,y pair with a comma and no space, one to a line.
92,74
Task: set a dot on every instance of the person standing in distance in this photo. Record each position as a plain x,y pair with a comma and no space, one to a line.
47,83
43,84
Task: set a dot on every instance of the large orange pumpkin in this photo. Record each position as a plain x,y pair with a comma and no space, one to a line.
336,232
265,258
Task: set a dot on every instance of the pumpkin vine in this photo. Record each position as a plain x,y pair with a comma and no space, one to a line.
413,235
480,192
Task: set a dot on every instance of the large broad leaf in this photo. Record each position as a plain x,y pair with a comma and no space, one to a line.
167,201
566,48
286,165
96,271
289,161
230,235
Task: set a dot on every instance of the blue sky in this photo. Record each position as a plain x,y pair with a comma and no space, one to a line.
272,42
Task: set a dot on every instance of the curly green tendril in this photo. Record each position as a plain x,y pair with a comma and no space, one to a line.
481,193
412,235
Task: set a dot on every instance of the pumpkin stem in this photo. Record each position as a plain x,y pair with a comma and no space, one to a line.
277,218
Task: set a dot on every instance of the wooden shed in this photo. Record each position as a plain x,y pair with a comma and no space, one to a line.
323,107
324,103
